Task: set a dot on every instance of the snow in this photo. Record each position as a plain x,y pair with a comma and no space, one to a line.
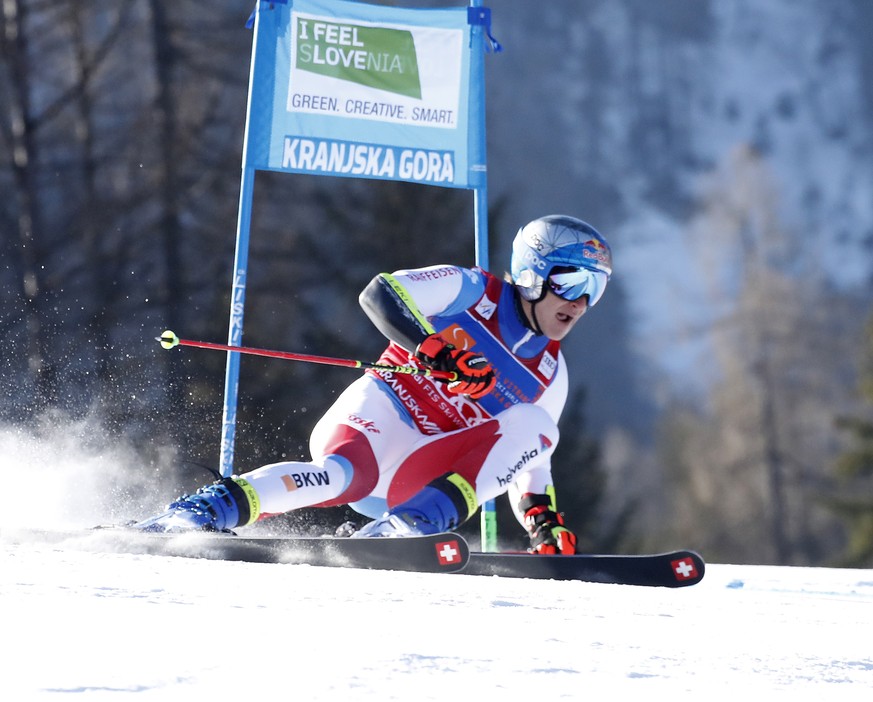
91,626
106,626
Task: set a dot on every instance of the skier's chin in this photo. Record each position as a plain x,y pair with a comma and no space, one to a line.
559,327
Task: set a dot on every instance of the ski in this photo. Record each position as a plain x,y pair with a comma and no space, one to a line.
439,553
673,569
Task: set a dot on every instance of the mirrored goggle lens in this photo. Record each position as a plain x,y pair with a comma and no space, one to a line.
575,284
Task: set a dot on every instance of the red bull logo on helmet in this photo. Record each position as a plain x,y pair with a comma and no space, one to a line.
596,250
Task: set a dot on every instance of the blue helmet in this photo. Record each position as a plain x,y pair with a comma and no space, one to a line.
580,254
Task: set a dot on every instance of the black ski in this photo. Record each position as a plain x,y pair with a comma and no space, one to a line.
440,553
673,569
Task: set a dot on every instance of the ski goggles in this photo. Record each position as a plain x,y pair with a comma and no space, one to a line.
574,284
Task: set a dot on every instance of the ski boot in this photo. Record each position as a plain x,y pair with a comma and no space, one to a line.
442,505
221,506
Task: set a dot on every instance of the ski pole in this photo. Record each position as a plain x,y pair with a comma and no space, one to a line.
169,339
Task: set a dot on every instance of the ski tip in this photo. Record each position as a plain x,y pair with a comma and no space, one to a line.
688,568
671,569
452,552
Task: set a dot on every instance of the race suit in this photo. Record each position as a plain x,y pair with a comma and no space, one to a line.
389,434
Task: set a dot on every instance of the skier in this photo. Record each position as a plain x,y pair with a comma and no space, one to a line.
419,455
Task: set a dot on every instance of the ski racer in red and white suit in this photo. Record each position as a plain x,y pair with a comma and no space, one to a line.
500,441
420,455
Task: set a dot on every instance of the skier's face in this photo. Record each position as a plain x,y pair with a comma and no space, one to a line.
557,316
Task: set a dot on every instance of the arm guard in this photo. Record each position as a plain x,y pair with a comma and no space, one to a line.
394,313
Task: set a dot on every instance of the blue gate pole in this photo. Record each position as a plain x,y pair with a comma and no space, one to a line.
235,326
240,271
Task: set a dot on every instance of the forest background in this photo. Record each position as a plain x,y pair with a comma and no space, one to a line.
722,392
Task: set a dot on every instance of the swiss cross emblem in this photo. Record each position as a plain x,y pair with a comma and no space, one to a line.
684,569
448,552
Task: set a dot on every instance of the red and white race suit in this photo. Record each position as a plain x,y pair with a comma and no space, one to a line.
389,434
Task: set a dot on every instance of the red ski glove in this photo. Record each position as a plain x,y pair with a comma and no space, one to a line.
546,528
475,375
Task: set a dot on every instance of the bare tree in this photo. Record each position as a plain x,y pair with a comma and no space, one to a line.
747,463
850,494
20,135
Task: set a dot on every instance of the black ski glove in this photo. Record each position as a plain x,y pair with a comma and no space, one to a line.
475,376
545,527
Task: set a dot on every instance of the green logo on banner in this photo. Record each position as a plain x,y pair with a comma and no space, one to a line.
373,56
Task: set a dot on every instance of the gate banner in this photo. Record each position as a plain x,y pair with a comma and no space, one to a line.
365,91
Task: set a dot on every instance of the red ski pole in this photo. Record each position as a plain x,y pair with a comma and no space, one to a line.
169,339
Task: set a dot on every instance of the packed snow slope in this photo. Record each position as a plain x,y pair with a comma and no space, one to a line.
104,626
